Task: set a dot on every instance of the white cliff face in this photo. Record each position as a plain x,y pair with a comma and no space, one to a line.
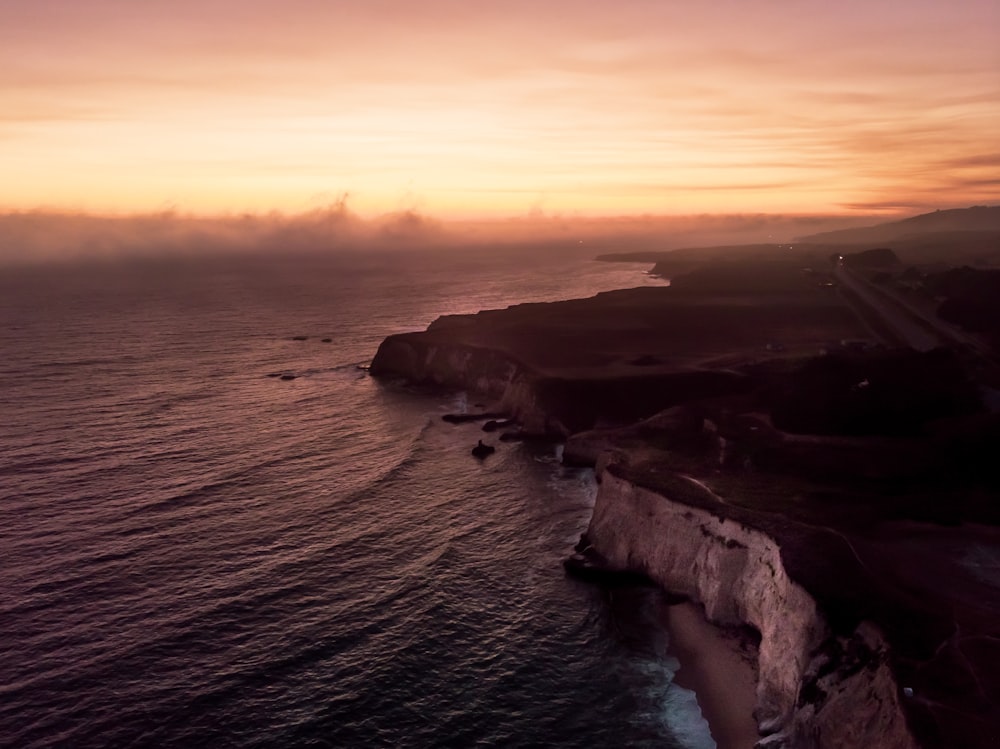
814,691
483,372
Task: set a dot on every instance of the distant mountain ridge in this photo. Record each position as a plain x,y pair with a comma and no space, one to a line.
976,219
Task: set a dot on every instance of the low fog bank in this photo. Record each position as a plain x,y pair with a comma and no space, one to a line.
36,237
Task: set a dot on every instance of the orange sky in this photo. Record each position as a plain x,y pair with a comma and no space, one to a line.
463,109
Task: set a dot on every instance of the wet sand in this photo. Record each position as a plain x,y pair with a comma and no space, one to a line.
719,667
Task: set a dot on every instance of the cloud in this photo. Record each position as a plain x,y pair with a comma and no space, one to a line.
886,205
219,104
33,237
983,160
42,236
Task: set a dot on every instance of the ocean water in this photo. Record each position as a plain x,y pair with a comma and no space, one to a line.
195,553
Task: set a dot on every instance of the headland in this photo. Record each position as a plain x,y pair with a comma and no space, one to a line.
772,446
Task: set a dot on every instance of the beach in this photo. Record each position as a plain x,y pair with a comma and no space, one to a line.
719,666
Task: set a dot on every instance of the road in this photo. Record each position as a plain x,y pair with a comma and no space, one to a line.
915,332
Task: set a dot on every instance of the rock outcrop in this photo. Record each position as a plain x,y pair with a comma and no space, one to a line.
482,450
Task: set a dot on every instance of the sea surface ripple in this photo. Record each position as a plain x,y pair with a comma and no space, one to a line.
194,552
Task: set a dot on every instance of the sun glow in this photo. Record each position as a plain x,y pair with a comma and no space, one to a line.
461,111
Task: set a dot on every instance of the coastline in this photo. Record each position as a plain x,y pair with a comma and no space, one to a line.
751,495
719,666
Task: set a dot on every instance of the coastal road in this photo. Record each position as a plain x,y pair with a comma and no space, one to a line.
919,328
946,330
914,331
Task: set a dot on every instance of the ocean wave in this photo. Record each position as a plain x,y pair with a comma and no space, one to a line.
195,554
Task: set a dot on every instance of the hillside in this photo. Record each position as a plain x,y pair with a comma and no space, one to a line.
976,219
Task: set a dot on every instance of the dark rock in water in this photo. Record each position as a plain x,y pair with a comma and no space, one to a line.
327,340
463,418
274,374
288,376
481,450
493,424
591,567
300,337
480,405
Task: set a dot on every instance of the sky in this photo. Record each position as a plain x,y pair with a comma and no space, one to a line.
472,110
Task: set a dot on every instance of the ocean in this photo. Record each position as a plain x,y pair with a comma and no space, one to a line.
195,552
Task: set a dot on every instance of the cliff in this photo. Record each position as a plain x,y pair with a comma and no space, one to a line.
856,558
557,400
567,366
816,688
976,218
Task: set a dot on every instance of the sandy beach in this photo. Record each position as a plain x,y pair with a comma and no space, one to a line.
718,666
